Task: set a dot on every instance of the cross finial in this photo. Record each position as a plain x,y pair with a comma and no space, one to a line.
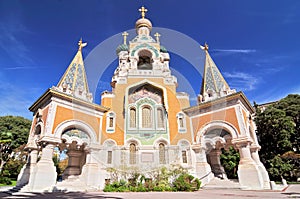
143,11
81,45
157,35
206,46
125,34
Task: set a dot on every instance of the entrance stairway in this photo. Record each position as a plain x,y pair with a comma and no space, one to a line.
72,183
218,183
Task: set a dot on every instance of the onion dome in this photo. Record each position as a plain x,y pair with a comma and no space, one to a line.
121,47
163,49
143,22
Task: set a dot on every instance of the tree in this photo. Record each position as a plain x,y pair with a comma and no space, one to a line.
13,137
278,133
230,160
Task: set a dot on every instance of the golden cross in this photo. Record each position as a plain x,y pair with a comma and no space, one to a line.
157,35
81,45
143,11
125,34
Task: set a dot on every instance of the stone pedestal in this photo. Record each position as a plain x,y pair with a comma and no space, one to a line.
73,163
261,167
215,163
44,174
203,169
248,172
27,169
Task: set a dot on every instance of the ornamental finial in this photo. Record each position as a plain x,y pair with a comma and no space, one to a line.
143,11
157,35
206,46
81,45
125,34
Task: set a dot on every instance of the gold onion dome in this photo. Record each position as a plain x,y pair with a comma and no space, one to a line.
143,22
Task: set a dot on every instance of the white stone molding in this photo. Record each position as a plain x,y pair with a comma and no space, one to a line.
78,124
217,124
50,118
241,122
161,140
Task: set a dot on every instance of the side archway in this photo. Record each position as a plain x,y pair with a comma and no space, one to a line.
217,125
62,127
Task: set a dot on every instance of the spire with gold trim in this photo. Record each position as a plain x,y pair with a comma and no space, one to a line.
213,83
74,81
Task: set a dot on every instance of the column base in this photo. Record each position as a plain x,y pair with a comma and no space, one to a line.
44,177
204,173
23,177
265,176
91,176
250,176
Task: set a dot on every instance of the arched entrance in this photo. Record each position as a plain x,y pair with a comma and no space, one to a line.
215,140
74,142
76,137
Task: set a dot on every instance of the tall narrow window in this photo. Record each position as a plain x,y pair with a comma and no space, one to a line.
181,125
132,151
132,118
109,157
162,154
181,122
184,157
160,118
110,122
146,117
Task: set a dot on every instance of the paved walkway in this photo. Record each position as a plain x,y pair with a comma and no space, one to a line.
293,191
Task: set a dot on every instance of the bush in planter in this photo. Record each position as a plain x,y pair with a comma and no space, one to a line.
186,182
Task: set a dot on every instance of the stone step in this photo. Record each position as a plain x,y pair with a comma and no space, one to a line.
217,183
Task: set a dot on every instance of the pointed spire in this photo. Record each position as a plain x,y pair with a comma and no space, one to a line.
213,82
74,80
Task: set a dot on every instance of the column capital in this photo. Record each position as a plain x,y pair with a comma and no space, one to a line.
242,142
255,147
198,148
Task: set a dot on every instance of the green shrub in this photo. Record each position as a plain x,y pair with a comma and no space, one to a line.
5,181
186,182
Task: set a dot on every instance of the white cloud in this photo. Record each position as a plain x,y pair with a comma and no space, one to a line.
241,81
12,40
231,51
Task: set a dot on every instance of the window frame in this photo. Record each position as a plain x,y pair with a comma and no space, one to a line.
111,116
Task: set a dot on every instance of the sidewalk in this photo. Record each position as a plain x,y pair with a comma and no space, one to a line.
293,191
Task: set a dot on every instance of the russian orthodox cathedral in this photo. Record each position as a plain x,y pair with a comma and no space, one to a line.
142,124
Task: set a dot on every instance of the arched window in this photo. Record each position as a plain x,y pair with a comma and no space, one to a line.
110,122
132,152
109,157
160,118
181,122
144,62
184,156
162,153
146,117
132,122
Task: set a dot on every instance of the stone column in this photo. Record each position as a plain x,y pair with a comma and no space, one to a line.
203,169
73,163
44,173
216,165
248,171
91,174
261,167
27,170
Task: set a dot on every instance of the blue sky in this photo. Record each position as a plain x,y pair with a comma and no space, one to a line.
254,43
